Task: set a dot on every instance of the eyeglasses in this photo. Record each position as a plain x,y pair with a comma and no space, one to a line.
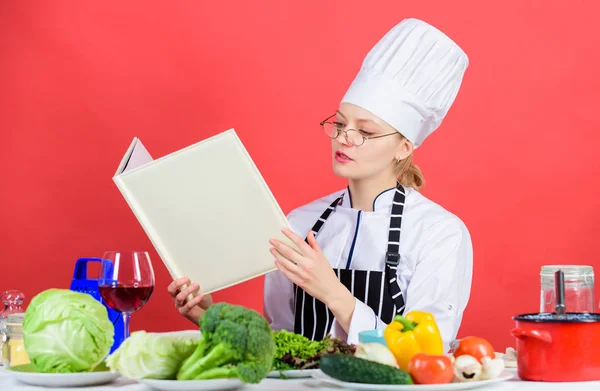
353,136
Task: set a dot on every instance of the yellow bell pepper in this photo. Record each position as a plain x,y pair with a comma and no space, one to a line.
417,332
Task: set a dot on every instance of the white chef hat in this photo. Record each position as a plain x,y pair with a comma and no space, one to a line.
410,79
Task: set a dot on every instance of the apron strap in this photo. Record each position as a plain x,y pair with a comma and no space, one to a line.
325,215
393,251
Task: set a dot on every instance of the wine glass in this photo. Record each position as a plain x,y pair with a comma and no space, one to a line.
126,282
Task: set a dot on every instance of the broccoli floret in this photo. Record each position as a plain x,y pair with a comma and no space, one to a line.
259,352
226,345
236,342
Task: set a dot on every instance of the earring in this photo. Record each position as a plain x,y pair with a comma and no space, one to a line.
399,160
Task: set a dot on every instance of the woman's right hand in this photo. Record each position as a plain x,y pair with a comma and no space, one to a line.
194,308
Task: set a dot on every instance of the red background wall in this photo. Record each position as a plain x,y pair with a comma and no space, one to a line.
514,158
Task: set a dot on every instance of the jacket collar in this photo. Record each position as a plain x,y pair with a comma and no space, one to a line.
383,201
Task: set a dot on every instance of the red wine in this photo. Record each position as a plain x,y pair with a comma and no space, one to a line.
125,297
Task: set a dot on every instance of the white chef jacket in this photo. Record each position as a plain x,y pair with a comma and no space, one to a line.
434,273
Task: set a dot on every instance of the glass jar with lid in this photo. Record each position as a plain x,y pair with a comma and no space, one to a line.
13,304
579,288
13,349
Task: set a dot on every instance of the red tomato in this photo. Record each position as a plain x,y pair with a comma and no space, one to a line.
431,369
476,347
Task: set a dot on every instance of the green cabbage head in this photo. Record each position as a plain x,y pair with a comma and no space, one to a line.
151,355
66,331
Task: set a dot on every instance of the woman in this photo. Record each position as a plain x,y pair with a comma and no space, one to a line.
378,247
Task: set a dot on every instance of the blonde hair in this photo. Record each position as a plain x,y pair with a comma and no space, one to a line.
409,174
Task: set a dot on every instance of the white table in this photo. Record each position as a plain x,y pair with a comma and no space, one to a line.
7,383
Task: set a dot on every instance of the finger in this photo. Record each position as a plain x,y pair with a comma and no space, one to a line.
289,265
185,293
312,241
175,285
182,296
298,241
289,253
283,268
195,301
191,304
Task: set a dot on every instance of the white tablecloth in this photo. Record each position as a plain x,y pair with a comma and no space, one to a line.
7,383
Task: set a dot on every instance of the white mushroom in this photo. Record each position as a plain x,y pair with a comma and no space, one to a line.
491,368
510,358
467,368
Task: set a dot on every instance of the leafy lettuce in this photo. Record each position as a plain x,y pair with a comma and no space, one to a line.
66,331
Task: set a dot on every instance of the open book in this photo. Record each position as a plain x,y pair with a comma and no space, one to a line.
206,209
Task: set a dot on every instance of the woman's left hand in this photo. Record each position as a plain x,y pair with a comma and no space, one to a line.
308,269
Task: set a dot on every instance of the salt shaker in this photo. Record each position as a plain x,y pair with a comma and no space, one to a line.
12,301
13,350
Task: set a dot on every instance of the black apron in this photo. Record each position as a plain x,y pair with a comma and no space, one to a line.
378,289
